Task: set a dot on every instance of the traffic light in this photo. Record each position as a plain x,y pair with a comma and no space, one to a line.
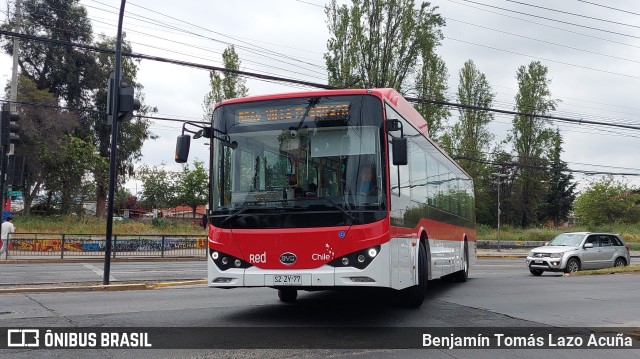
9,126
127,102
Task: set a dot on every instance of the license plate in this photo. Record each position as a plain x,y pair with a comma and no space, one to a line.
287,280
538,262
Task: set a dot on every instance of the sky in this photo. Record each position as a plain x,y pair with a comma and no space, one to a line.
593,67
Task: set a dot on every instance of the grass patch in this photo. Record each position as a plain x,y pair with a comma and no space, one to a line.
629,232
634,268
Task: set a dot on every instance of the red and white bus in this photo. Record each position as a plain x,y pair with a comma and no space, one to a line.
333,188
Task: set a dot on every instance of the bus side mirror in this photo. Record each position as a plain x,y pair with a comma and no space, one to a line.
399,146
182,148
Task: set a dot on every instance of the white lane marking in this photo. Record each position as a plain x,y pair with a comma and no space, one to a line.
97,271
160,271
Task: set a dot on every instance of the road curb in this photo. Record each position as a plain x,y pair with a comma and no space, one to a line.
506,256
100,288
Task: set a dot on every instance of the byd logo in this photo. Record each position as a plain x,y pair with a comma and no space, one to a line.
287,258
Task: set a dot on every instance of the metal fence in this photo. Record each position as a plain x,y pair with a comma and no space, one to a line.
93,245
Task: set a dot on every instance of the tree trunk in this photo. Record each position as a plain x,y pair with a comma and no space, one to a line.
101,201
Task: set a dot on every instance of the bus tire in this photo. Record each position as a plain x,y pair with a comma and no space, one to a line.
414,296
287,295
463,274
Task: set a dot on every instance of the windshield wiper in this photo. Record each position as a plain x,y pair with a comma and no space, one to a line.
243,210
234,215
312,102
349,215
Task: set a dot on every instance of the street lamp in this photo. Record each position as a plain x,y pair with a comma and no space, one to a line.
500,176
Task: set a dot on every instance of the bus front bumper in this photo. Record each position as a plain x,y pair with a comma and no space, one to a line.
376,274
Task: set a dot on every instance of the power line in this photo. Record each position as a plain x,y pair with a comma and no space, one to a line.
166,60
555,20
294,65
163,27
306,83
544,41
546,25
520,165
609,7
548,117
574,14
310,3
545,59
217,33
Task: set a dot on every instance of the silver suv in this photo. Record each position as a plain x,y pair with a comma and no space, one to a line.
571,252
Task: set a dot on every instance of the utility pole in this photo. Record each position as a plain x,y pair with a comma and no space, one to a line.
121,103
16,52
114,147
7,148
500,176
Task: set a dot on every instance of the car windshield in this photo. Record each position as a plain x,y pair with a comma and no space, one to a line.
567,239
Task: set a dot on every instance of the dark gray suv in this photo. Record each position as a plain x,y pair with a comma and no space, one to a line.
571,252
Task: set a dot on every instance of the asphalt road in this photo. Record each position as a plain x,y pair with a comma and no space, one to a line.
500,293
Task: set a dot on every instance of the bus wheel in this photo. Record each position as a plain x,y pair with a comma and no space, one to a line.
287,295
463,274
414,296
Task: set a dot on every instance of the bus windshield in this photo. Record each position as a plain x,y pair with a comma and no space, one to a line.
293,156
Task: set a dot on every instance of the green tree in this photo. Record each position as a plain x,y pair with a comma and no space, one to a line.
78,78
431,84
560,197
43,131
224,86
378,43
193,188
531,137
69,164
132,134
159,188
122,199
607,202
470,138
63,70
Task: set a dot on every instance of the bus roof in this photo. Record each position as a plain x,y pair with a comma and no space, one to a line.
389,94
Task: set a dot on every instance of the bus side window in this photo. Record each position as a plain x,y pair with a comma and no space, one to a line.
393,173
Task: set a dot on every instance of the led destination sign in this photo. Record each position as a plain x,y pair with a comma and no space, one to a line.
336,110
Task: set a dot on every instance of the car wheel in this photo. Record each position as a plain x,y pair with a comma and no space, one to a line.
414,296
536,272
620,262
572,266
287,295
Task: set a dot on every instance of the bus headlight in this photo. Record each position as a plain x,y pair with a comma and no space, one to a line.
359,259
225,261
